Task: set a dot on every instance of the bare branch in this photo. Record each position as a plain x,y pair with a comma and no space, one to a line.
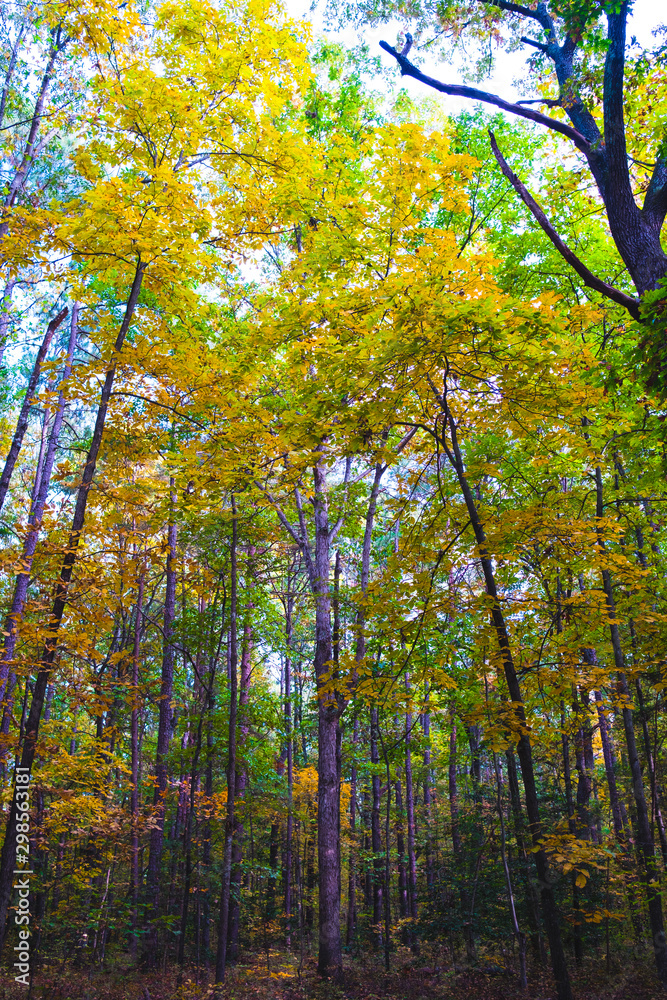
538,45
408,69
589,279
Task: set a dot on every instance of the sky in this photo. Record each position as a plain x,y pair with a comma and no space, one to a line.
510,68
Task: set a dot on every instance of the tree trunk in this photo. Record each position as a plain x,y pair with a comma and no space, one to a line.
134,750
40,495
644,836
60,602
376,838
163,738
28,401
524,747
225,888
289,602
410,813
241,784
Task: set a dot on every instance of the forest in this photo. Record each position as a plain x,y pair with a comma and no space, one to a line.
332,479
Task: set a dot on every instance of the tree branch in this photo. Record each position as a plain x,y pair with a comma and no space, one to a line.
538,45
515,8
408,69
589,279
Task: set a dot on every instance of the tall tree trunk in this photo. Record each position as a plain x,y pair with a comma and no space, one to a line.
644,836
403,912
452,785
289,833
428,793
163,737
39,498
225,888
352,872
410,813
376,837
524,746
520,937
60,602
134,750
241,782
58,41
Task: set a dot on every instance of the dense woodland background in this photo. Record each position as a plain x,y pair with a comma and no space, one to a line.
333,503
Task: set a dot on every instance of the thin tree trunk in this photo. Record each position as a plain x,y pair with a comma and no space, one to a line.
163,738
524,747
5,307
520,937
410,812
352,873
403,911
376,838
644,836
30,151
225,888
24,414
134,750
428,794
60,602
290,766
241,784
16,48
452,784
40,495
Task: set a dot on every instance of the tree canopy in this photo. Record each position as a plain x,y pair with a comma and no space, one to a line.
332,508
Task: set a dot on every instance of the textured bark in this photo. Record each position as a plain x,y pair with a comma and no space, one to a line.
636,231
50,645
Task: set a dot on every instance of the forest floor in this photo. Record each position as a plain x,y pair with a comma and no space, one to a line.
363,979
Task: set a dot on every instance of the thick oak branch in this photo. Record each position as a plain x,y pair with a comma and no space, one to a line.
589,279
